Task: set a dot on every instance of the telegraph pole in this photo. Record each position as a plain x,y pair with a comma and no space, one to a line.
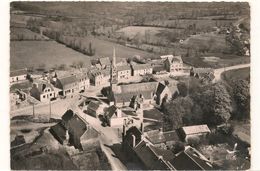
50,110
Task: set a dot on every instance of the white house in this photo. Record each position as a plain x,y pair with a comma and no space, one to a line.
18,75
83,81
173,64
43,91
141,69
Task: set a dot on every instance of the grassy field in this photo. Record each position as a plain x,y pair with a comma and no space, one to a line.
104,48
243,73
48,53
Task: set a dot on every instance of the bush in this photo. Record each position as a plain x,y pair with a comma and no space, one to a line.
193,141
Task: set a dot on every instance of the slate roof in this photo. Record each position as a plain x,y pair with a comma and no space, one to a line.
191,159
141,66
67,115
77,126
139,87
93,105
158,68
43,85
59,132
152,158
68,80
160,88
110,111
126,97
18,72
171,136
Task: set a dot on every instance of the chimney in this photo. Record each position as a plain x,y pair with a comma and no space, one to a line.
133,140
142,127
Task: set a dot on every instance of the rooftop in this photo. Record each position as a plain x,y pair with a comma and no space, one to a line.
141,66
68,80
195,129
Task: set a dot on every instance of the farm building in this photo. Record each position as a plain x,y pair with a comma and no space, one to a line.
43,91
67,84
194,131
173,64
141,69
18,75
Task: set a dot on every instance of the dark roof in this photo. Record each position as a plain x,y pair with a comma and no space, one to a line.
171,136
133,131
104,61
68,80
18,72
156,136
158,68
93,105
160,88
148,155
173,59
42,85
59,132
141,66
67,115
77,126
110,111
190,159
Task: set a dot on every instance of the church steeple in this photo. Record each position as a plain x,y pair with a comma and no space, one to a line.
113,70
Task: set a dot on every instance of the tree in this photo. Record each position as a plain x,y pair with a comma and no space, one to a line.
215,103
241,94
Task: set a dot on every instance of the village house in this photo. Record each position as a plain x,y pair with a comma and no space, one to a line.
67,84
73,131
173,64
42,91
141,69
114,116
105,62
18,75
83,81
99,77
193,131
123,72
205,74
138,147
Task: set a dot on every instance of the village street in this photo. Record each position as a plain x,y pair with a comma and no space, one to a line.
219,71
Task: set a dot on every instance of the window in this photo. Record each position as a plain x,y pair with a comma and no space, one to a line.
50,94
43,96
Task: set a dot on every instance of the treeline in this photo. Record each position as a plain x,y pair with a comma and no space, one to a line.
71,42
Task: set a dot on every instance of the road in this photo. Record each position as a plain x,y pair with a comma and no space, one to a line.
219,71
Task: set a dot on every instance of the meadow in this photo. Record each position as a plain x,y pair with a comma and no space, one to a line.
18,33
43,53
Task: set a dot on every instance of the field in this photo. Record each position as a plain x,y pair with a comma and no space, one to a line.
18,33
131,31
212,41
48,53
236,74
104,48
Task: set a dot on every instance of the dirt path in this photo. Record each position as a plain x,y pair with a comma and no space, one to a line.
219,71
